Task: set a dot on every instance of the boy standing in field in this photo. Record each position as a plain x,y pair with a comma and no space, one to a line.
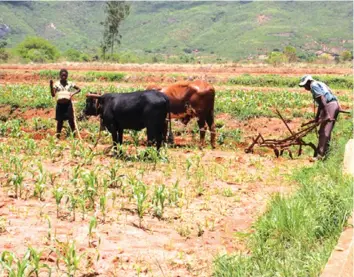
327,112
63,90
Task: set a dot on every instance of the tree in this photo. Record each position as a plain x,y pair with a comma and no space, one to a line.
346,55
72,55
3,53
116,12
276,58
37,49
290,53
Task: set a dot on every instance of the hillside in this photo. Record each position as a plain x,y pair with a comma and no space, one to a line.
224,29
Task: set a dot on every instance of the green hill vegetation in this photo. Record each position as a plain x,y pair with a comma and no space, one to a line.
215,30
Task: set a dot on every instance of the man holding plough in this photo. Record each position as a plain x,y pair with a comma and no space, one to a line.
327,112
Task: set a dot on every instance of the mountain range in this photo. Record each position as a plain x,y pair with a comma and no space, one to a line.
231,30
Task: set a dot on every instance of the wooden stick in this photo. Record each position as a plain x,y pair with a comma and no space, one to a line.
287,126
75,122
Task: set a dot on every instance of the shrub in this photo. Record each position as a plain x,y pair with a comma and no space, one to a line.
277,58
72,55
37,49
290,53
325,58
346,55
84,57
4,55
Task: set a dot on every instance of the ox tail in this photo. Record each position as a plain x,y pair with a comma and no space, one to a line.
170,138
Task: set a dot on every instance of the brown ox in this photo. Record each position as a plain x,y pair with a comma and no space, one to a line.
192,99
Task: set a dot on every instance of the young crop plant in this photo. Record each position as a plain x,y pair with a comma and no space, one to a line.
188,167
159,198
40,182
113,175
184,230
3,225
140,196
74,200
30,146
17,177
17,181
135,136
29,265
35,262
58,193
14,266
49,234
76,173
41,124
92,226
227,192
70,258
15,128
103,205
52,178
90,187
174,194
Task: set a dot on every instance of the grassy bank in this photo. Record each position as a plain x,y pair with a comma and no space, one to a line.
335,82
297,234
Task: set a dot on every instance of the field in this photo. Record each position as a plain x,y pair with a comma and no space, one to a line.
82,212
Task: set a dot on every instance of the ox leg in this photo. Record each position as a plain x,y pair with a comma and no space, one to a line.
211,125
201,124
150,135
114,133
120,136
165,130
159,135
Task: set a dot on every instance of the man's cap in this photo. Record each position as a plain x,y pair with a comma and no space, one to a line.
305,79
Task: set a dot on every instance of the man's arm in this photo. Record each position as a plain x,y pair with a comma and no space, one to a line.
77,90
322,105
52,90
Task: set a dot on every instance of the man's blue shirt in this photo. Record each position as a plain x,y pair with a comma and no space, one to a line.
319,89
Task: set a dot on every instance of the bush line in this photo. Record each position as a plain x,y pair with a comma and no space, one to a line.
268,80
89,76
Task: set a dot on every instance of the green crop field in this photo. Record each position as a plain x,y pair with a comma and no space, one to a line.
274,216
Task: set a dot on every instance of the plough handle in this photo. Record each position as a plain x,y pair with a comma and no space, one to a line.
249,149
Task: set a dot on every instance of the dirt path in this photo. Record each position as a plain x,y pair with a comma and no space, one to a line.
232,69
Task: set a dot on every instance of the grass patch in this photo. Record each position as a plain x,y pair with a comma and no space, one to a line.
49,74
92,76
297,234
244,105
273,80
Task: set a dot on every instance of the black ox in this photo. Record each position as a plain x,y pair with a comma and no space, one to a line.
136,110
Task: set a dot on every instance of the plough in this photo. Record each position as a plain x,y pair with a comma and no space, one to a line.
280,146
